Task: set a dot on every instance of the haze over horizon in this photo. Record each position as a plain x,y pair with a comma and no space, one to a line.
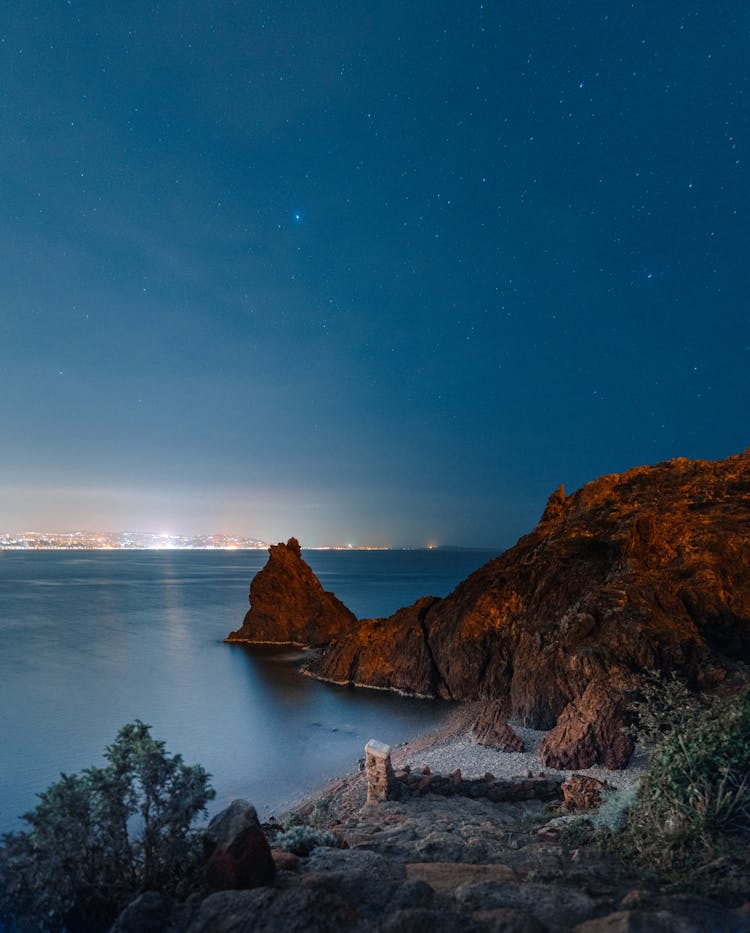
383,276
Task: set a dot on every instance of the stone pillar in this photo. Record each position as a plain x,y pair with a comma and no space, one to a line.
381,782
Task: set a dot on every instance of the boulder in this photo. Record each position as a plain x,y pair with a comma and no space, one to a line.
426,920
237,853
672,915
445,877
366,880
285,861
492,730
148,913
298,909
582,792
555,907
589,731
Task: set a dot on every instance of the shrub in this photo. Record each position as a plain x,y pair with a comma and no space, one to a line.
693,804
665,703
98,838
303,839
577,831
320,811
612,815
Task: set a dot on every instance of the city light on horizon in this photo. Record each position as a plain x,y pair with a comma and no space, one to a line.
162,541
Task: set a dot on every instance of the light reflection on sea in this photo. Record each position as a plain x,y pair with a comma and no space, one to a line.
90,642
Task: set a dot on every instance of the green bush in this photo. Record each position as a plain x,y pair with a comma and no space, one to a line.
663,705
578,831
693,804
320,811
98,838
303,839
612,815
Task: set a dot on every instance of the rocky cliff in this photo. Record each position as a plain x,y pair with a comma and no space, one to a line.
289,606
648,569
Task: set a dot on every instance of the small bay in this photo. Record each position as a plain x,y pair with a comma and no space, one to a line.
91,640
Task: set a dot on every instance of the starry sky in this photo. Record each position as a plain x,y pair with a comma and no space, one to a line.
369,273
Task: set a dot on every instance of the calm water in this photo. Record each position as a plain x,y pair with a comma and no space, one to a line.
92,640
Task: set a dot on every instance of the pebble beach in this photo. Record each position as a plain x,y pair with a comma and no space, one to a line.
474,760
453,748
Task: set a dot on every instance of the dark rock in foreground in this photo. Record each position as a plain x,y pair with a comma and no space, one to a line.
237,853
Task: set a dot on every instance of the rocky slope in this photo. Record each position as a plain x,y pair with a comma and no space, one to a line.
648,569
444,864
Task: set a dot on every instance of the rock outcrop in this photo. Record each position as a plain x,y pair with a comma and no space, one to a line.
449,864
582,792
237,853
648,569
289,606
589,729
491,729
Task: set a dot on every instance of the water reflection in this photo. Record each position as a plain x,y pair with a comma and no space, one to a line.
87,644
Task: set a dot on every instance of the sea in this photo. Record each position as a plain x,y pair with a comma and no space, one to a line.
91,640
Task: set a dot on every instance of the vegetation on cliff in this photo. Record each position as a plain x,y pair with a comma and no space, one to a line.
691,817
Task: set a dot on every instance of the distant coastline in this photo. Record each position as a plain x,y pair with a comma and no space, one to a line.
123,541
258,547
26,548
151,541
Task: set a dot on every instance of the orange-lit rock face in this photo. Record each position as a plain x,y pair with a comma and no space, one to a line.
288,604
645,569
639,570
491,729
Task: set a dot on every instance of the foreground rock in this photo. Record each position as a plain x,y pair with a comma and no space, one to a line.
589,729
237,852
444,863
289,606
581,792
491,729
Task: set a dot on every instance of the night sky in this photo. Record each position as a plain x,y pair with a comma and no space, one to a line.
369,273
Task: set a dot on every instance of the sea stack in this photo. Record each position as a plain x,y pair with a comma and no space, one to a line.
288,605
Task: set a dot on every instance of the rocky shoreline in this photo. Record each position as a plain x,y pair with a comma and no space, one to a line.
635,572
454,853
546,648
